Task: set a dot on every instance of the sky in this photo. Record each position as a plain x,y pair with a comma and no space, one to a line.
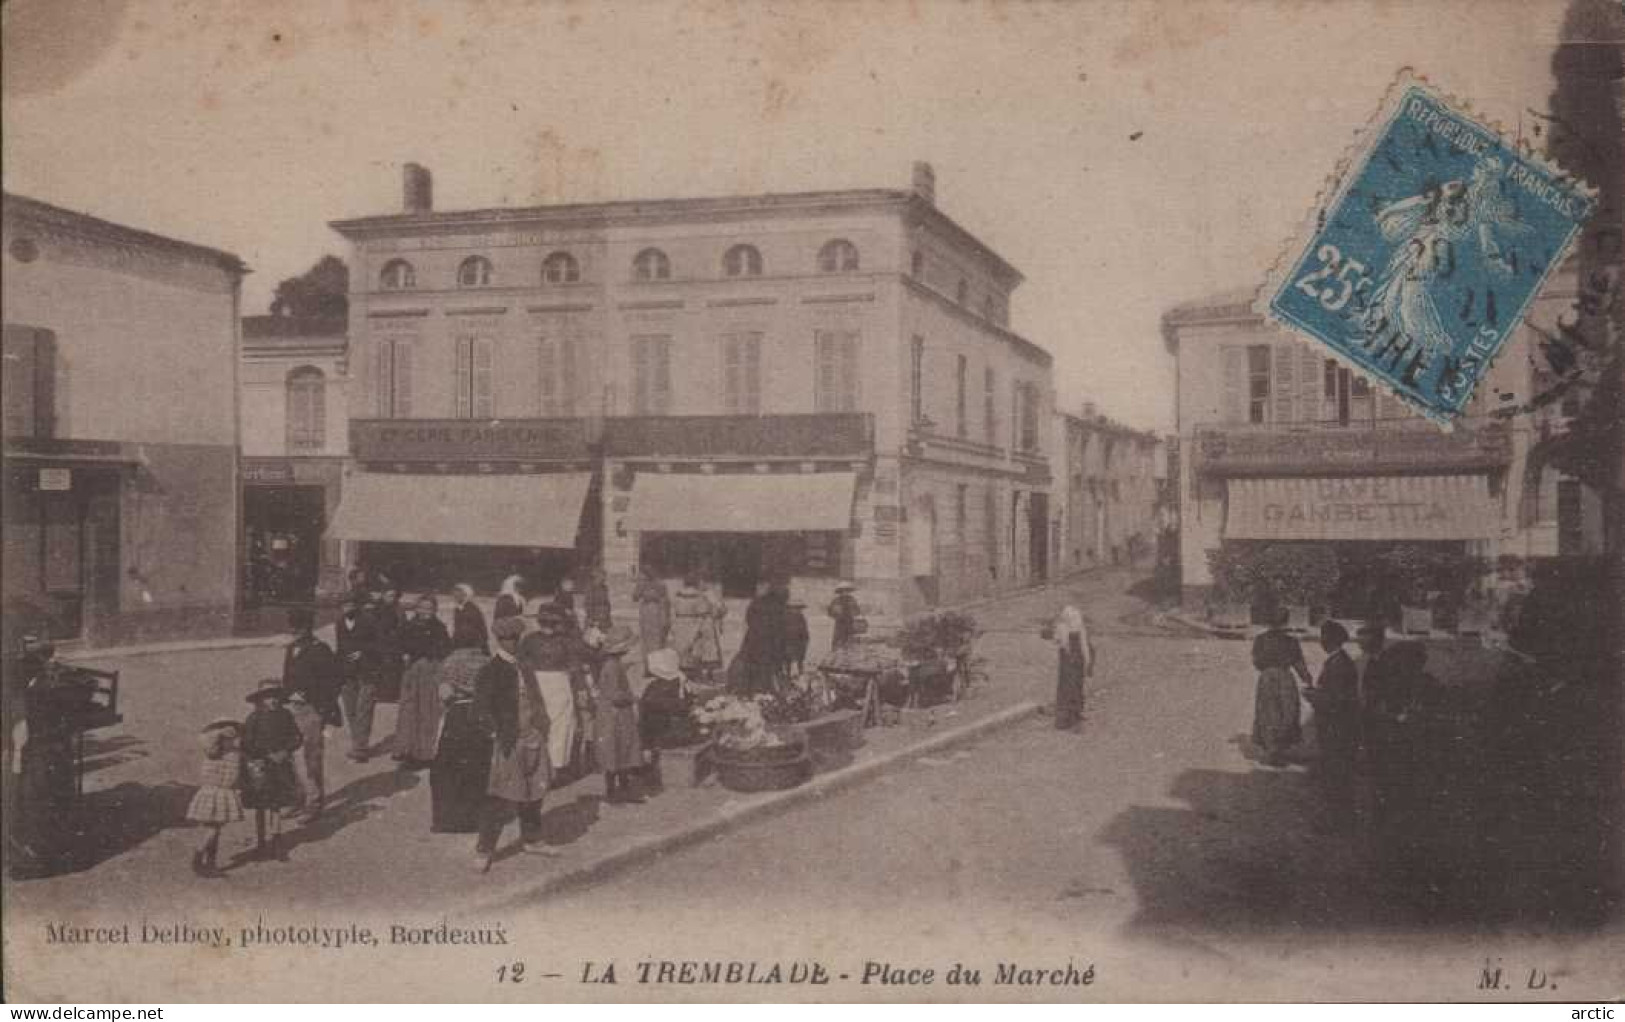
1125,157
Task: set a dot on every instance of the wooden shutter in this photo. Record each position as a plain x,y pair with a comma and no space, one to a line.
849,372
567,385
1312,386
403,377
753,373
1234,409
464,371
383,371
662,375
732,373
1284,381
990,405
547,378
640,375
484,378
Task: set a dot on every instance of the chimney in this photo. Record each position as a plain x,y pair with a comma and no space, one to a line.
417,186
925,182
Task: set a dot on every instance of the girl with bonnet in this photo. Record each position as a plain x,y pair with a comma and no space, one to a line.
218,801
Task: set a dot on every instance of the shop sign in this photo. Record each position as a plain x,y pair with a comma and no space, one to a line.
462,440
55,480
267,472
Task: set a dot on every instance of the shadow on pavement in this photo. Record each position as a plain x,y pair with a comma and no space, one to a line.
349,805
109,823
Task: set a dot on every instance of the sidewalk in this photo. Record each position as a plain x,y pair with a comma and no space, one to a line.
373,845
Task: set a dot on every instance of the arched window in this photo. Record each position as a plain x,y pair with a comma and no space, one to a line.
560,268
398,275
307,409
475,271
962,292
651,264
838,256
742,261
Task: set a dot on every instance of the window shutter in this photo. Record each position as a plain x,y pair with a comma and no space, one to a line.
484,378
1284,385
317,389
1235,383
465,370
732,385
849,372
566,387
640,375
753,374
662,381
1312,386
384,378
403,377
547,381
823,371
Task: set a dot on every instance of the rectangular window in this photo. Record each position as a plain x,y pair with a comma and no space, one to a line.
742,373
990,400
651,375
307,410
1329,380
961,514
476,382
1026,395
990,529
961,371
916,381
393,377
556,380
835,380
1258,383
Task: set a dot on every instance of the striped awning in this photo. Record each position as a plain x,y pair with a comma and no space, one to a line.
780,502
1362,508
467,510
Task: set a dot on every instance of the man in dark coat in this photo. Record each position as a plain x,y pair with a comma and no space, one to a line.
468,629
313,678
359,652
508,707
845,611
760,661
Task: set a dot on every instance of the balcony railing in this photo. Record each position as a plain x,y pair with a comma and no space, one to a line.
1390,445
818,435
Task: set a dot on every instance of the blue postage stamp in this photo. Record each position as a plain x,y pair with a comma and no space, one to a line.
1432,246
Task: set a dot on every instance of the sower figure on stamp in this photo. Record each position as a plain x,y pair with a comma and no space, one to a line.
509,708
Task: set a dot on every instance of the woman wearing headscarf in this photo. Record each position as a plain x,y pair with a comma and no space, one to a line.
654,609
1336,700
615,723
554,652
424,644
1075,659
695,631
511,599
468,629
462,759
1279,660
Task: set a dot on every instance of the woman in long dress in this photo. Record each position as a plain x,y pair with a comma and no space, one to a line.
462,761
695,631
616,743
1073,663
756,667
654,610
424,643
552,651
1279,660
468,630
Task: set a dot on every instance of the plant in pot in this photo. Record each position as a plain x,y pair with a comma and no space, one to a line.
749,752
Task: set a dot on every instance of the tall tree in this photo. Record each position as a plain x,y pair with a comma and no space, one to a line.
321,292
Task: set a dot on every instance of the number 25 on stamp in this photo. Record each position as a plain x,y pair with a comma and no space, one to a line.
1432,247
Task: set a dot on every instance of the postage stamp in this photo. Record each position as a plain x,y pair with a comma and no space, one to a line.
1429,250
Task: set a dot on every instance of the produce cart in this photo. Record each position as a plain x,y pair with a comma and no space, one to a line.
866,667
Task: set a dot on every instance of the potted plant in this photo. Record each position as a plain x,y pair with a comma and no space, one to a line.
748,752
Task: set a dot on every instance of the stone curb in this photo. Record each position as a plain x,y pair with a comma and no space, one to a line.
84,656
643,849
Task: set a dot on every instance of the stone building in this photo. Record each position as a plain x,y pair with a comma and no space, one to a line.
120,429
295,377
816,386
1281,445
1108,473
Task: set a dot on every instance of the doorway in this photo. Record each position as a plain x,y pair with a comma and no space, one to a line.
283,528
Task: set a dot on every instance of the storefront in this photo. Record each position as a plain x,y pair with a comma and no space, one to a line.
287,503
434,503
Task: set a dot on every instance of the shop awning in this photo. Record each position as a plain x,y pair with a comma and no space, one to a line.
1363,508
792,502
485,510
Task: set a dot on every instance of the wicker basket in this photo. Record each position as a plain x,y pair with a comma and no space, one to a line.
773,768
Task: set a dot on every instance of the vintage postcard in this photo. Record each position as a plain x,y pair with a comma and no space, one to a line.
864,502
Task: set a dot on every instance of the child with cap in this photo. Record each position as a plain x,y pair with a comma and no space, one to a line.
270,737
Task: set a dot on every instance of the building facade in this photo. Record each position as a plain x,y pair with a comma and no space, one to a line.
295,423
814,386
1109,474
1280,444
121,487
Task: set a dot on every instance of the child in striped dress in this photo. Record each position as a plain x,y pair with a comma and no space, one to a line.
218,801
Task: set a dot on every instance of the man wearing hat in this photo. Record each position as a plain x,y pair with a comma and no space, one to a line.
40,763
313,677
357,636
508,706
1336,699
846,612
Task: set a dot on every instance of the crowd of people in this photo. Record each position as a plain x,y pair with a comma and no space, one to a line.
550,690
